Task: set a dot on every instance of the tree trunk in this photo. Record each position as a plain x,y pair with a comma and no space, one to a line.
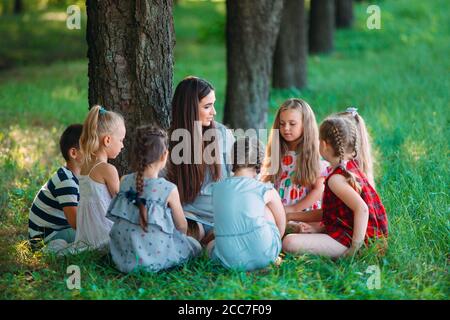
251,32
344,13
321,26
18,7
130,51
291,51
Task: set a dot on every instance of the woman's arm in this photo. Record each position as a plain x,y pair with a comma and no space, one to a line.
177,211
342,189
312,197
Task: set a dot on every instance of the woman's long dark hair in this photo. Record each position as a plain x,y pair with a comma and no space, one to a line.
189,176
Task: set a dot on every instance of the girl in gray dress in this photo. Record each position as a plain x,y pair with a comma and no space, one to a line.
149,230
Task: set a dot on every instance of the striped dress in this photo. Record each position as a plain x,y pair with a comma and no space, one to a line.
47,217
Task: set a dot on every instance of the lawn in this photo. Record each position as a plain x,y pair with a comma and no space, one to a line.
398,78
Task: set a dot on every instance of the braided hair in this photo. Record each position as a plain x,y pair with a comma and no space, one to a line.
365,157
342,135
151,143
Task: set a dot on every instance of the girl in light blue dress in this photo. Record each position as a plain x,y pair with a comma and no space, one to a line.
249,218
149,231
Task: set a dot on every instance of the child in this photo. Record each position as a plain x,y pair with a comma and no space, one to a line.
364,158
300,174
248,214
352,212
149,230
54,209
101,139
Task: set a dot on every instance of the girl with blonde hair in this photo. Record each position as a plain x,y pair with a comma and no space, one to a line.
101,139
294,140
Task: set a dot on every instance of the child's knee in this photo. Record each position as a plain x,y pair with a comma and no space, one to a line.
290,243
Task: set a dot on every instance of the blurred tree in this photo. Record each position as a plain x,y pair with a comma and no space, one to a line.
321,26
18,7
251,33
291,51
130,51
344,13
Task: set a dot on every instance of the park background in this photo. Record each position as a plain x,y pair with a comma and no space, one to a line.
397,76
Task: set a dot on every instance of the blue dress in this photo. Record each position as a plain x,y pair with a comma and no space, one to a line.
201,209
163,246
245,239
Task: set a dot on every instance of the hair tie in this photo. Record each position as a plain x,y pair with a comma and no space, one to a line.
102,110
352,110
134,198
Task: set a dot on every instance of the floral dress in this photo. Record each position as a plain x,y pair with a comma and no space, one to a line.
291,193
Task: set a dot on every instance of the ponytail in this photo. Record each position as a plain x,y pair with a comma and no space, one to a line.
364,156
89,140
351,178
98,123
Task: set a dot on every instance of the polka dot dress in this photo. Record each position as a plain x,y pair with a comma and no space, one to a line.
290,192
163,246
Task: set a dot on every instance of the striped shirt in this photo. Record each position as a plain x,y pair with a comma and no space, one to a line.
46,213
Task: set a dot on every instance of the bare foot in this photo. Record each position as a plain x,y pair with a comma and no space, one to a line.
279,260
292,227
313,227
305,228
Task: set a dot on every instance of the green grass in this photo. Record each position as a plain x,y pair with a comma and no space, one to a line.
397,76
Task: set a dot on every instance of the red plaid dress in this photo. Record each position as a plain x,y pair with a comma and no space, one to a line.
338,218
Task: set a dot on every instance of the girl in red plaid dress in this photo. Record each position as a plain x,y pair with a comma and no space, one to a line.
365,157
352,212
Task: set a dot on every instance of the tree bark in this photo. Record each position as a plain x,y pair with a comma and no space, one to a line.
251,32
321,26
18,7
344,13
130,51
291,51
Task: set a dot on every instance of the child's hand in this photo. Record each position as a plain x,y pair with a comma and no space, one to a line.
352,250
306,228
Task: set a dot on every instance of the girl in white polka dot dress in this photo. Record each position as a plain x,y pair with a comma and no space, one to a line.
294,146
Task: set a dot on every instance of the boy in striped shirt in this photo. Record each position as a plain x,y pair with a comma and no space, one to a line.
54,209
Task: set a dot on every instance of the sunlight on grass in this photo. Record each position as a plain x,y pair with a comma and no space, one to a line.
385,120
415,149
24,255
28,146
66,93
53,16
